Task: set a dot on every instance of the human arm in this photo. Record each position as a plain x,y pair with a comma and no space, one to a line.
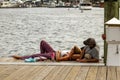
93,60
91,56
87,60
82,54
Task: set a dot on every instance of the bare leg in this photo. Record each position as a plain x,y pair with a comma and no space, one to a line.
48,55
46,51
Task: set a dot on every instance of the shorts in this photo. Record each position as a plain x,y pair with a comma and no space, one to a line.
87,56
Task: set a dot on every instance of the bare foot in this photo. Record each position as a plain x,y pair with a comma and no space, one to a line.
16,57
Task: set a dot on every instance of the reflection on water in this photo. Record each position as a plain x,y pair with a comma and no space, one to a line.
22,29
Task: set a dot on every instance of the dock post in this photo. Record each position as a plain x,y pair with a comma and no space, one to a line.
111,9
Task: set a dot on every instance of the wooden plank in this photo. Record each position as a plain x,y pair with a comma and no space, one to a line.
101,75
118,73
2,67
7,71
9,59
29,71
35,74
73,73
14,60
112,73
4,59
41,74
51,63
111,8
82,73
54,73
17,74
92,73
63,73
32,74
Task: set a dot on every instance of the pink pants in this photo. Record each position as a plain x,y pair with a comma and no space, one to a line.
45,50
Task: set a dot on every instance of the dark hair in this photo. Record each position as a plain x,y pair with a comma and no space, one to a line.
86,42
90,41
93,42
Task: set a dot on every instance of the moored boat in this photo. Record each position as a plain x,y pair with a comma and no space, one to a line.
85,6
7,4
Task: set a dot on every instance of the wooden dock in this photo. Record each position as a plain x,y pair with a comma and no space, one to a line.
56,72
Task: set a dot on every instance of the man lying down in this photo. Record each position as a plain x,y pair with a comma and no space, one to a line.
88,53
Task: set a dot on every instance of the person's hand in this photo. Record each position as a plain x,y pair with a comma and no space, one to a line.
81,60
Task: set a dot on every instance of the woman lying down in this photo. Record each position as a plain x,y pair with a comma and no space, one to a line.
88,53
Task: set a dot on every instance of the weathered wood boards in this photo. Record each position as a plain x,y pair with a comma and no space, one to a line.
15,72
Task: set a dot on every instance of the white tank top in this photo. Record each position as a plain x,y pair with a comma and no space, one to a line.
64,52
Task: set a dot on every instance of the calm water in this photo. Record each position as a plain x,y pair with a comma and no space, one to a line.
22,29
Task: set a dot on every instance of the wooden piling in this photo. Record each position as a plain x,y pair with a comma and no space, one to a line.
111,9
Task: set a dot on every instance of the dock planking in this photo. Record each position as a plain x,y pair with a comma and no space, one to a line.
12,72
82,73
57,72
73,73
92,73
101,74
